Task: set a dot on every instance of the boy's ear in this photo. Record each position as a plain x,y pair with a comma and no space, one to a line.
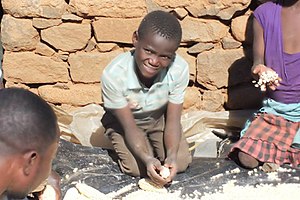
30,162
135,38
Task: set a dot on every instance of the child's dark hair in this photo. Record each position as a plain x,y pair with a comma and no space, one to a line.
27,122
162,23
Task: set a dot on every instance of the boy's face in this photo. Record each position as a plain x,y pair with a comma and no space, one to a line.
153,53
39,172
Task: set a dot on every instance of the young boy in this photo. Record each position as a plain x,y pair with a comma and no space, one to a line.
143,92
28,142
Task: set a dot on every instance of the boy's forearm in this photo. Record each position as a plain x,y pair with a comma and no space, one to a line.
138,144
172,139
173,132
133,135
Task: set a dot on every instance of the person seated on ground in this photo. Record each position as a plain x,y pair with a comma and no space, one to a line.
272,137
29,138
143,92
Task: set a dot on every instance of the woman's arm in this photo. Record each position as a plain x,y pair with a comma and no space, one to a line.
258,50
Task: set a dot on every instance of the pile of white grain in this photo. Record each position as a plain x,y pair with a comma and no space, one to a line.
231,191
262,191
227,191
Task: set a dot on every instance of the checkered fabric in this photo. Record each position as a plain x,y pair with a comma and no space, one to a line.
269,139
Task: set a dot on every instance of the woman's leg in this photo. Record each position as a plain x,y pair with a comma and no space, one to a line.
247,161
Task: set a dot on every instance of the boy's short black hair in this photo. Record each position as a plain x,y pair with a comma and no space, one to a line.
162,23
27,122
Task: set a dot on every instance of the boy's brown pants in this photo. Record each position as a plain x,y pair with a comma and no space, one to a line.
153,133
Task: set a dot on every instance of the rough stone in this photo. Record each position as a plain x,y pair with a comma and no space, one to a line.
60,56
91,45
105,47
242,28
71,18
213,66
28,67
41,23
14,38
230,43
180,13
115,30
88,67
111,8
84,93
213,101
44,50
224,9
10,84
67,36
172,3
200,47
191,60
36,8
202,30
192,98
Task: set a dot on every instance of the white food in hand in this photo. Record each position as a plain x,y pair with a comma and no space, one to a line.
165,172
266,78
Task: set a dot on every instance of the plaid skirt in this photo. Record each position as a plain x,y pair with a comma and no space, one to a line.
269,139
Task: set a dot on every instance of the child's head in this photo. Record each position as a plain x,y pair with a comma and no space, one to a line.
161,23
156,41
28,139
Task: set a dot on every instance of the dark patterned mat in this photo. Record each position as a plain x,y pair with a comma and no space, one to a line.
96,168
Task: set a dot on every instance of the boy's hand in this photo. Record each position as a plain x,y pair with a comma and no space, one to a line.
171,164
153,168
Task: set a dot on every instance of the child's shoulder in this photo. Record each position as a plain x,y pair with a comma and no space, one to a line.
120,63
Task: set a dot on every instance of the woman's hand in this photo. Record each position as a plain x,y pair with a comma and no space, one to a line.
266,77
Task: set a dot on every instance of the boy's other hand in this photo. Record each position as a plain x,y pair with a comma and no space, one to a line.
153,169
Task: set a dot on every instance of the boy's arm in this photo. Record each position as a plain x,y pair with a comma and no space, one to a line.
138,145
172,136
133,135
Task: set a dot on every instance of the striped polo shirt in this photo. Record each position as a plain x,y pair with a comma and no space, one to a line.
121,87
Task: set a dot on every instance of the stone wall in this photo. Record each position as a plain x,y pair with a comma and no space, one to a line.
58,48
